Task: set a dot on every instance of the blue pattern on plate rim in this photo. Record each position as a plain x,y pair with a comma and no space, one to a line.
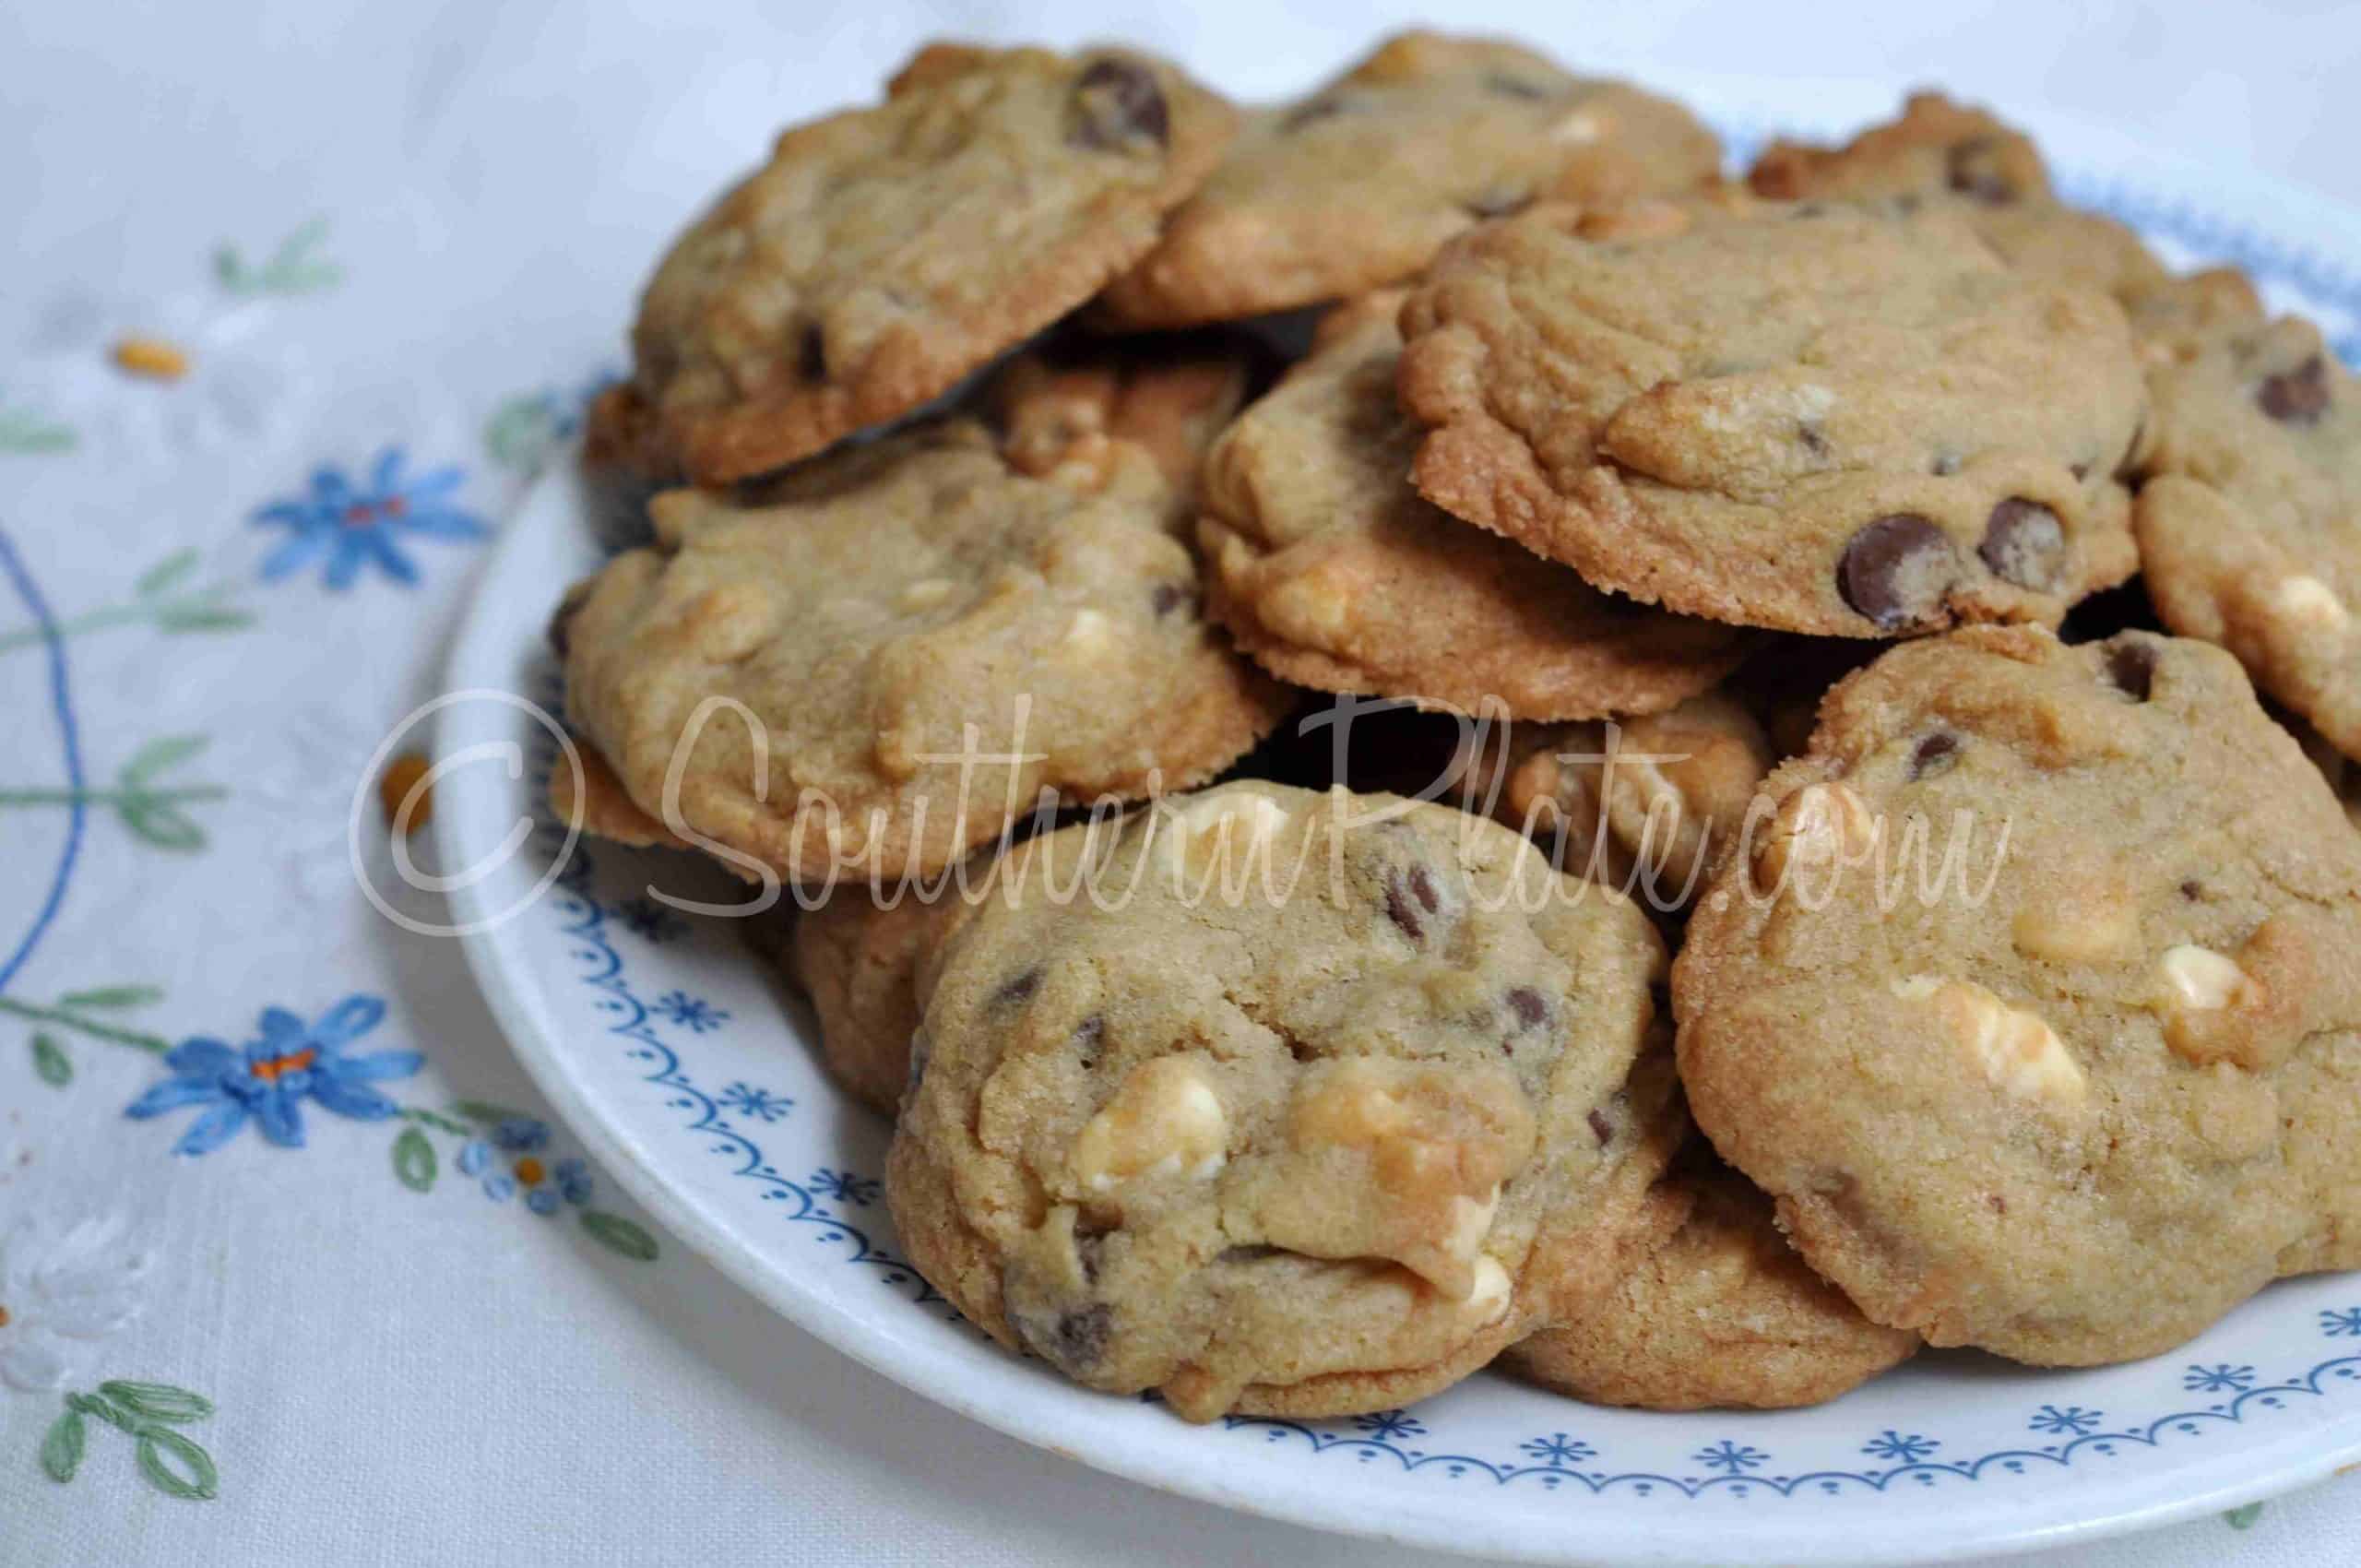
1726,1467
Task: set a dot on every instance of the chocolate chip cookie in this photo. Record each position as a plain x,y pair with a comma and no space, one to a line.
884,253
1645,806
1942,151
2035,999
1356,186
1714,1310
879,661
1308,1103
1825,418
1332,572
2247,527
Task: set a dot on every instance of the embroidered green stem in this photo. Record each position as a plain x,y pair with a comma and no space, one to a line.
149,1413
66,1018
153,601
437,1120
21,430
149,810
116,797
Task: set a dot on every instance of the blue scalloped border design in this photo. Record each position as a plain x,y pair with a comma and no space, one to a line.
1726,1468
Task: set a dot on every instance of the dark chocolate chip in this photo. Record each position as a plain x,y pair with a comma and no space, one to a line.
2079,470
1896,570
1164,599
1814,442
812,353
1117,102
1999,1205
1422,884
2132,670
1601,1128
1939,753
1970,171
1945,464
1020,987
1528,1006
2299,396
1088,1037
1081,1337
2192,889
1402,910
2025,544
1511,87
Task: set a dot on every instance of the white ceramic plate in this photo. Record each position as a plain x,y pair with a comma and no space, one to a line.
679,1060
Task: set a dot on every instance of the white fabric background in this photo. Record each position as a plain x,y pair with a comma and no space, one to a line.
408,1378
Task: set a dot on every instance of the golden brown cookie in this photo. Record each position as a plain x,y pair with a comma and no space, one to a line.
884,253
2247,527
2034,999
1824,419
832,677
1332,572
1321,1144
1714,1310
1356,186
1942,151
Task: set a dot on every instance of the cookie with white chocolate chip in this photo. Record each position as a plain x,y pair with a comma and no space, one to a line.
1327,1143
884,253
886,656
1843,419
2035,1000
1712,1310
1355,187
2246,525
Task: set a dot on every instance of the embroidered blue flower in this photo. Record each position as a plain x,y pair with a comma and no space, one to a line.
349,526
692,1012
2344,1324
761,1104
1558,1449
1901,1448
268,1080
547,1188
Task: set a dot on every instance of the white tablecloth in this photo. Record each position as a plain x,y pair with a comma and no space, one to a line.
395,244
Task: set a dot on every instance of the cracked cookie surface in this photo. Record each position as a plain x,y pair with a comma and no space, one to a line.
1713,1311
1849,421
2247,525
1305,1154
1355,187
2077,1074
882,253
868,611
1332,572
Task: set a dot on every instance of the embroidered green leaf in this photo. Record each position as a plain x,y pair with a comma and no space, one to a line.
521,432
51,1063
158,1401
484,1110
177,1466
61,1451
160,756
618,1234
293,268
165,574
21,430
111,996
165,827
92,1405
414,1161
2243,1518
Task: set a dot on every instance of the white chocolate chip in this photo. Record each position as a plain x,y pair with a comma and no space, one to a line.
2092,922
1470,1220
1166,1122
1222,824
2309,601
1488,1300
1090,630
2201,978
926,593
1581,126
1308,607
1824,826
2019,1054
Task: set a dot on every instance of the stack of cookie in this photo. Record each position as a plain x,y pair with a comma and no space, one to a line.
1026,557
